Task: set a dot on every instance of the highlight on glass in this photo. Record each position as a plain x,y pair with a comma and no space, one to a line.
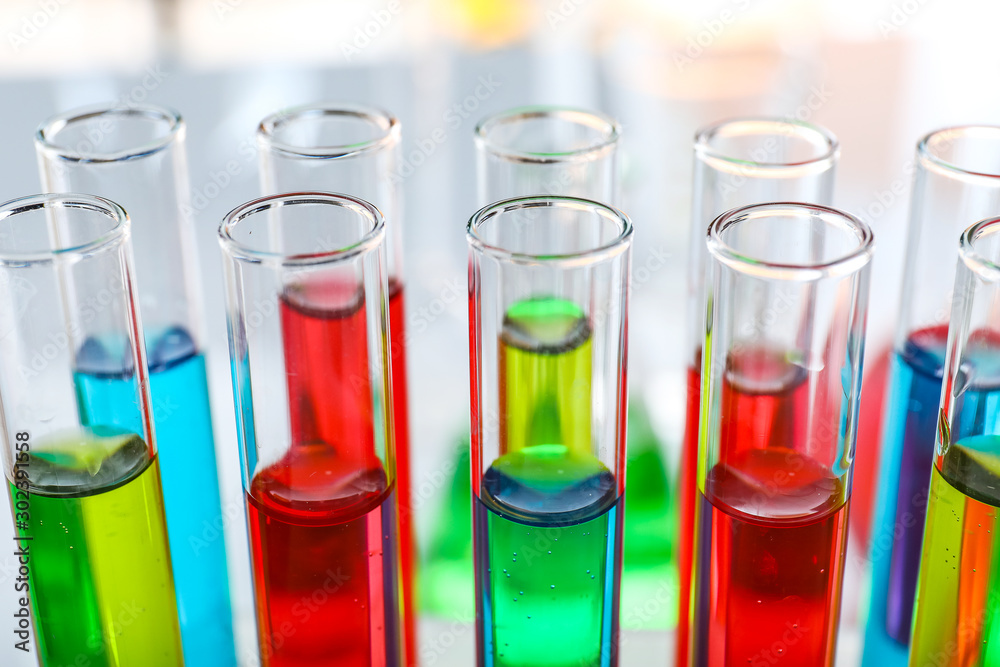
736,163
356,150
307,299
545,150
78,447
548,310
135,155
957,182
957,605
781,376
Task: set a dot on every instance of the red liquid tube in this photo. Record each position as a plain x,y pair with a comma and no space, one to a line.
309,346
336,147
781,376
736,163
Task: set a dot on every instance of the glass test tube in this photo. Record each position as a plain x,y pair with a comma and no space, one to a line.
736,163
957,615
307,296
135,155
356,150
79,453
781,377
548,301
956,182
547,151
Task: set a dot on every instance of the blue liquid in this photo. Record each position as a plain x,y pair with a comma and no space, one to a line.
186,451
904,479
547,581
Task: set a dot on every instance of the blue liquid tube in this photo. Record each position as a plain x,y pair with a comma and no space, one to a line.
956,182
135,156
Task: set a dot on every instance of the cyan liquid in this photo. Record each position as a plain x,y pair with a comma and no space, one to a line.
186,453
904,477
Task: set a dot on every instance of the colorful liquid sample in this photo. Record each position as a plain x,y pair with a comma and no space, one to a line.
401,428
957,621
100,577
547,577
322,536
905,468
649,569
186,452
688,489
323,518
771,527
771,562
864,474
547,516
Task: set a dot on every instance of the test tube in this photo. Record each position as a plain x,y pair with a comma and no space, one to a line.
548,302
78,446
135,155
957,612
781,377
356,150
956,182
736,163
307,295
545,150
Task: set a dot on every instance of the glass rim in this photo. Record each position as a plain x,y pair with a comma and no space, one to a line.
769,125
927,155
108,238
46,133
238,250
984,267
387,123
610,128
594,255
848,263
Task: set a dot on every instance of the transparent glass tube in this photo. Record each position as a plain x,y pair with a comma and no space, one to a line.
79,452
781,378
736,163
957,611
547,151
956,182
307,295
135,156
548,303
356,150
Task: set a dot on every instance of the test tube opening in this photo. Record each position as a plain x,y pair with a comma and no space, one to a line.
109,133
968,152
328,131
768,146
36,228
548,134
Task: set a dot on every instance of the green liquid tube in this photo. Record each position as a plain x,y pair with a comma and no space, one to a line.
100,580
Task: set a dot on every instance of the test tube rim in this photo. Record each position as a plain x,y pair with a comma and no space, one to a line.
823,161
377,117
844,265
932,160
612,134
46,132
987,269
602,252
238,250
112,237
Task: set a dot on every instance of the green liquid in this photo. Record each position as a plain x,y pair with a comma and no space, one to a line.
957,618
101,587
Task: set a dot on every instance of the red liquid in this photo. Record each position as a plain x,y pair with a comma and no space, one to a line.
323,521
688,497
771,521
401,425
771,562
865,470
322,537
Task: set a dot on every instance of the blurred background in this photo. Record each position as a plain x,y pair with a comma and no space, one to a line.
879,74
